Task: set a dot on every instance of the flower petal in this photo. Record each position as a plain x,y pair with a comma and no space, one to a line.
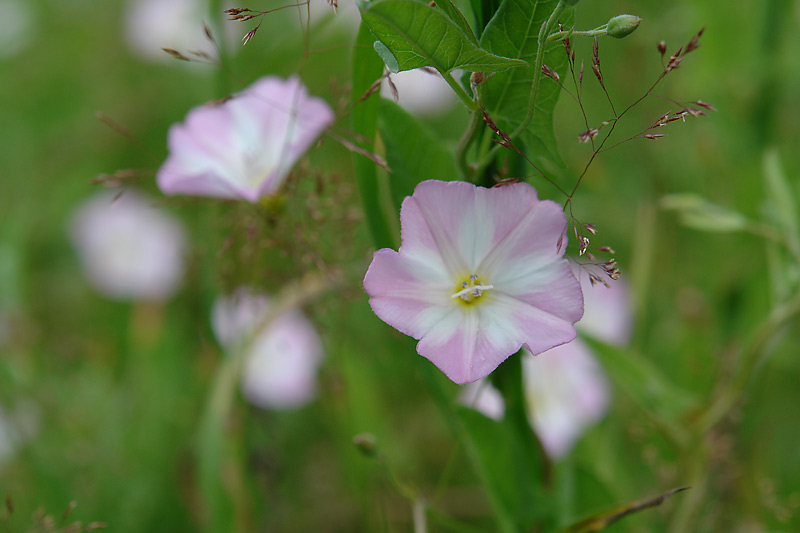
406,293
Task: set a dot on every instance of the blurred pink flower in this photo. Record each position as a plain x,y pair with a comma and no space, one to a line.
420,92
244,147
480,273
607,311
129,249
484,398
280,371
566,389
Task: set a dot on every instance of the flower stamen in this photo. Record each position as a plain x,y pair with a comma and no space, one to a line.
472,289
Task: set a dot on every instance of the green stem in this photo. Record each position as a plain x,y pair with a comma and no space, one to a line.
465,142
462,94
561,35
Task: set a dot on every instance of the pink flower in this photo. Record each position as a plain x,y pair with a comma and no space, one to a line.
129,248
565,388
480,273
567,392
607,311
282,359
244,147
484,398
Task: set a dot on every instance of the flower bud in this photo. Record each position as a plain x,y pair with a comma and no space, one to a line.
622,26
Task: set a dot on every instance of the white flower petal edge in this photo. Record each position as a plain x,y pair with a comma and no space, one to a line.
244,147
480,273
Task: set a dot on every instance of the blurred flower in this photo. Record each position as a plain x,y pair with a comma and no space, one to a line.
566,391
565,387
16,26
420,92
244,147
481,396
606,311
152,25
282,359
129,249
480,273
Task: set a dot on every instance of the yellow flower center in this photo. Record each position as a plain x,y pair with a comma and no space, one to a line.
470,290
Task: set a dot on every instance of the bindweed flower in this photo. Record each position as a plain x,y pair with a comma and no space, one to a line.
566,391
481,396
565,388
420,92
606,311
280,371
244,147
479,274
129,249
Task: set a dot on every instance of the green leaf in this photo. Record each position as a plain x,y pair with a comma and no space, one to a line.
781,201
698,213
457,16
643,381
387,56
413,152
514,33
511,475
419,35
367,68
601,521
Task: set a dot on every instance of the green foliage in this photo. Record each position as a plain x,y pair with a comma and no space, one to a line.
366,69
137,414
516,99
413,34
413,152
698,213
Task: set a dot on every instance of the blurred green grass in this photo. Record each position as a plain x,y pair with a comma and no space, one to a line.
120,388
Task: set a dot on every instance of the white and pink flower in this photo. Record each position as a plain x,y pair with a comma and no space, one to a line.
130,250
244,147
282,359
480,273
565,388
566,392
